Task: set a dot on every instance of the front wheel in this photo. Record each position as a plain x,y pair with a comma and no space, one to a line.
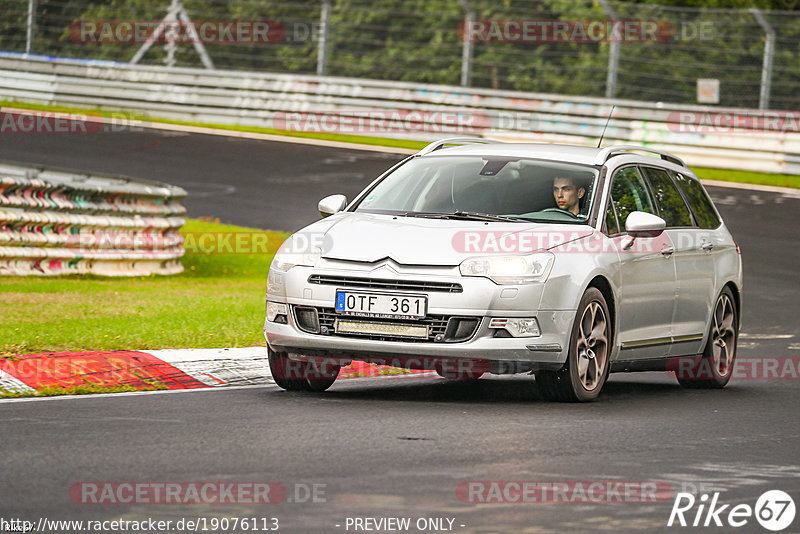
321,374
587,366
287,374
295,375
460,370
713,369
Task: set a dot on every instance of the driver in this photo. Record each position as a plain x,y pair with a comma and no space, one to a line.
568,194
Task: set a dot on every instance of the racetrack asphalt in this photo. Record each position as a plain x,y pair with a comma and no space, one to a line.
401,447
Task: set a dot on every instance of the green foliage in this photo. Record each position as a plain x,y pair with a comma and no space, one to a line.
421,41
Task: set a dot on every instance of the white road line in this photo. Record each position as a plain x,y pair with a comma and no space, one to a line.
127,393
272,137
766,336
789,191
228,133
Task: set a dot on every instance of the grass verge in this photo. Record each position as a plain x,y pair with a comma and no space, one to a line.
84,389
759,178
218,301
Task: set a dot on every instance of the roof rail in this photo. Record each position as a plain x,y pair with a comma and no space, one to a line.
611,151
436,145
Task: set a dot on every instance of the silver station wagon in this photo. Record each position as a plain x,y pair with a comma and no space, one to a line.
474,257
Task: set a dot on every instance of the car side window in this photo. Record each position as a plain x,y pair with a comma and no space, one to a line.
668,199
704,212
612,228
629,193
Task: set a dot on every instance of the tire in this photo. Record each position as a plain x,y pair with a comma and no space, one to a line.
586,369
321,375
288,374
459,370
713,368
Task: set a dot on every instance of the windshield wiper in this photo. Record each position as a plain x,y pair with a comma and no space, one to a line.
475,216
426,214
463,216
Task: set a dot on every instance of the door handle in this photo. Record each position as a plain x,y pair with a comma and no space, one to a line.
668,251
707,246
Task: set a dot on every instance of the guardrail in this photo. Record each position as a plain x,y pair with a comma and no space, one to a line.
701,135
55,222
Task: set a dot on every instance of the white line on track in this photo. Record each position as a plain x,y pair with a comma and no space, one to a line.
790,191
766,336
127,394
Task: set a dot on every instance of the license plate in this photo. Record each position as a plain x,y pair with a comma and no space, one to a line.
381,305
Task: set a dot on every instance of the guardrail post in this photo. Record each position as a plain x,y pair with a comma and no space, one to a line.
769,54
31,23
466,46
613,53
324,38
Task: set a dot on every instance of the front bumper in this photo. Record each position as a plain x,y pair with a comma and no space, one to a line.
480,298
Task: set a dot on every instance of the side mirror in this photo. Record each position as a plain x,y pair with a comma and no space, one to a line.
332,204
647,224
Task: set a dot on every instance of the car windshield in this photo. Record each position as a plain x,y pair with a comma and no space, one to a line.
485,188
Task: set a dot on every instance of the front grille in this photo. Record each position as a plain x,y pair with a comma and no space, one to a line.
381,283
460,329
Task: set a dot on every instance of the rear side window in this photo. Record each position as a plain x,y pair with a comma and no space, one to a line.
701,205
629,194
670,203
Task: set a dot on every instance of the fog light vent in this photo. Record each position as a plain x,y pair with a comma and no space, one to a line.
460,328
307,319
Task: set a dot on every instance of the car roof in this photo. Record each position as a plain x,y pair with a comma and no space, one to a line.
564,153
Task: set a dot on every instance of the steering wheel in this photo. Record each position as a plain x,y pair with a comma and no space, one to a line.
559,210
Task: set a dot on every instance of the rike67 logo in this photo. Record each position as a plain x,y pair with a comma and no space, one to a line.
774,510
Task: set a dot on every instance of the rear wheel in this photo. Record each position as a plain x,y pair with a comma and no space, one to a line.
586,369
713,369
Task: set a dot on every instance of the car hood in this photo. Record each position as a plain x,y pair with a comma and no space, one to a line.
370,238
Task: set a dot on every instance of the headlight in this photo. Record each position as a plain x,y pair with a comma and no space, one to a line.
510,269
297,250
517,326
275,310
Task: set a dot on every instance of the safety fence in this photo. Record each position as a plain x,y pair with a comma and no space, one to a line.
55,222
703,136
642,50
